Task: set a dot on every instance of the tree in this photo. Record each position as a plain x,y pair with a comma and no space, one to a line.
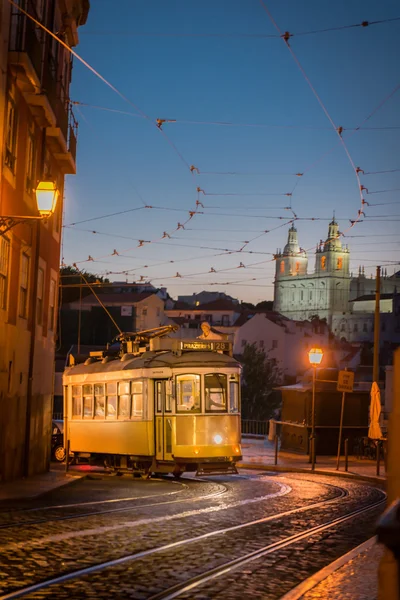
70,276
259,376
265,305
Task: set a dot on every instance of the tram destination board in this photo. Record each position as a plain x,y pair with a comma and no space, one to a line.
206,346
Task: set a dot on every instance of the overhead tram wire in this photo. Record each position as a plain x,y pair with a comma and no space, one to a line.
231,124
362,24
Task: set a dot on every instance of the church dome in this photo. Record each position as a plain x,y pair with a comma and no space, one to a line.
292,247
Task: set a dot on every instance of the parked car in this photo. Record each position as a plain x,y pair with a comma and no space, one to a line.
57,441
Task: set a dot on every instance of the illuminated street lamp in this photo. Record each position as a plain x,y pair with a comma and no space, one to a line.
46,199
315,357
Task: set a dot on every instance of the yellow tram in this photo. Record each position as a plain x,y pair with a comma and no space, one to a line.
161,405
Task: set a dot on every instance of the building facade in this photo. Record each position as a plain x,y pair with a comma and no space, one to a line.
38,142
330,291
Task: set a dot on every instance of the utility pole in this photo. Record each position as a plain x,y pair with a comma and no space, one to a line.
375,370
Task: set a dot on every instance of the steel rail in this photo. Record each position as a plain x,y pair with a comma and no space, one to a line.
115,510
181,588
139,555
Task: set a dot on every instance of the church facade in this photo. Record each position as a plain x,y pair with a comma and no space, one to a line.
327,292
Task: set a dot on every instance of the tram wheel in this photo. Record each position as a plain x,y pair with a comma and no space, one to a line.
59,453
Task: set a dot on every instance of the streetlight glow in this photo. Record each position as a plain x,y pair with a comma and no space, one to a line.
46,198
315,356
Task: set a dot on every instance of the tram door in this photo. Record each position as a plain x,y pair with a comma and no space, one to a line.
164,421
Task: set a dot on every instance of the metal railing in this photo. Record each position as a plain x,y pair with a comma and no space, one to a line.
58,416
250,427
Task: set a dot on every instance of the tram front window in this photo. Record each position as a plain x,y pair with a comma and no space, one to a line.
215,390
188,393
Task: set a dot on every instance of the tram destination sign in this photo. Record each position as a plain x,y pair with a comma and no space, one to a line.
206,346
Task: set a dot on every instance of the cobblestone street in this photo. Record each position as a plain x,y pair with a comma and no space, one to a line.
108,537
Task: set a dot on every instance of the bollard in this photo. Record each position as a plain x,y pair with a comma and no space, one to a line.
67,457
346,454
276,450
378,458
312,453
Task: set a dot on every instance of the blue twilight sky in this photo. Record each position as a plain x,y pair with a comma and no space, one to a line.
151,51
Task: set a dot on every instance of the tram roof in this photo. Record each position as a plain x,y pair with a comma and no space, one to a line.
149,360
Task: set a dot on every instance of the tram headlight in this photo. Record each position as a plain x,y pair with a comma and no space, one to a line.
218,438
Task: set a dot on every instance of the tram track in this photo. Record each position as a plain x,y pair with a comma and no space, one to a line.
220,570
22,523
226,568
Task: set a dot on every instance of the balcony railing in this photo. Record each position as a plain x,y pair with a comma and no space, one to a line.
72,134
52,90
26,37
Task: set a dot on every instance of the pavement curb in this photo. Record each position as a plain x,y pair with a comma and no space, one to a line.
30,495
288,469
307,585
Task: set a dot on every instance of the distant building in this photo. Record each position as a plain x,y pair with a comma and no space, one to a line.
221,312
330,292
87,321
285,341
38,142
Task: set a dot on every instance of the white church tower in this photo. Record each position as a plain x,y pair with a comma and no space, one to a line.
299,295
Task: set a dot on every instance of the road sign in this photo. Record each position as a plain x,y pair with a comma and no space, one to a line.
345,381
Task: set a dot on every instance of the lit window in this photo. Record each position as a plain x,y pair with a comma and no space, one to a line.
77,401
23,288
323,263
39,301
188,393
282,266
215,390
111,403
99,400
11,135
4,268
339,263
137,398
124,400
52,304
88,401
233,397
297,267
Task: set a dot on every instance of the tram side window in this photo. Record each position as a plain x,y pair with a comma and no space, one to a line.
234,397
137,398
111,389
124,400
77,401
216,392
88,401
99,400
188,393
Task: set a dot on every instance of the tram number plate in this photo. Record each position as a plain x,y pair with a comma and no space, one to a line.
206,346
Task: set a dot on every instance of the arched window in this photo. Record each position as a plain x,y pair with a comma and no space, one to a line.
297,267
339,263
282,266
323,263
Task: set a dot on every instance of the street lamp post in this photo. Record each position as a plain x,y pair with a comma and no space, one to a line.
315,356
